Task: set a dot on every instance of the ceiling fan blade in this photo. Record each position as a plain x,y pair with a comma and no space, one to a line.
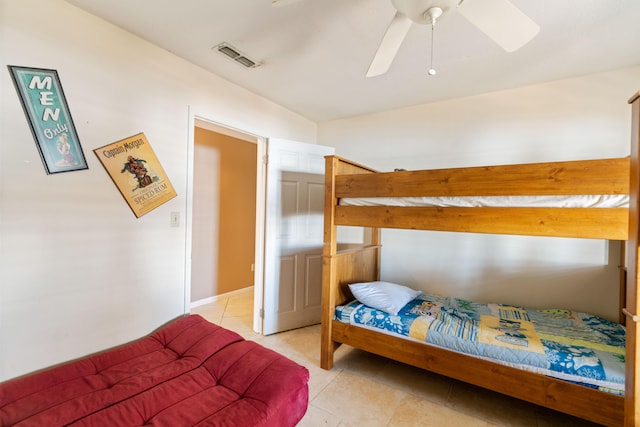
283,2
390,44
501,21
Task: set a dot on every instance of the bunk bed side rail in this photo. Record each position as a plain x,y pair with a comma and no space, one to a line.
602,176
594,223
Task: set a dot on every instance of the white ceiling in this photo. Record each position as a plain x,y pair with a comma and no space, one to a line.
315,53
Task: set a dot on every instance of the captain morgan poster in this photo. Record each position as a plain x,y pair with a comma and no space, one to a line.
136,171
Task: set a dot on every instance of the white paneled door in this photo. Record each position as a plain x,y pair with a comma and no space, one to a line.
293,235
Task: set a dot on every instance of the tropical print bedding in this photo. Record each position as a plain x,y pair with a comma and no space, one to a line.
564,344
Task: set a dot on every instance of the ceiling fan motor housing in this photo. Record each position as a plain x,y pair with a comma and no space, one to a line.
416,10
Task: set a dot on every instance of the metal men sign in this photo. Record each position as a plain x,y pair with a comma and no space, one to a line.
46,109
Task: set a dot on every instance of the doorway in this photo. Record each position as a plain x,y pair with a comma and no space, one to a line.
223,216
278,156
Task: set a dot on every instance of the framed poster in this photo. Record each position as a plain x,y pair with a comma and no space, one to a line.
136,171
48,115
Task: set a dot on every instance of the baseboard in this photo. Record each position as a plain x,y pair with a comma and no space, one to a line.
215,298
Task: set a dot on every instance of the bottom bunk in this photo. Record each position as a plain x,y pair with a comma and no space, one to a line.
580,401
360,265
563,344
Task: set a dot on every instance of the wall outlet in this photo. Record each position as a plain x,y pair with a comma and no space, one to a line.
174,219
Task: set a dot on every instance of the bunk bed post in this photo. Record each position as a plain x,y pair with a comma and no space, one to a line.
360,262
632,383
622,276
327,345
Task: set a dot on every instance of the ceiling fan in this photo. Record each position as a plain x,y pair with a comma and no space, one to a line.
500,20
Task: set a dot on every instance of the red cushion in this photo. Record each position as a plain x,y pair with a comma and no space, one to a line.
189,372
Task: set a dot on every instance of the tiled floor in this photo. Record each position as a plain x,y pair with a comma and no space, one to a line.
367,390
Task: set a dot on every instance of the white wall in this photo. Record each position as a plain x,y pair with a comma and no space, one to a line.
78,272
580,118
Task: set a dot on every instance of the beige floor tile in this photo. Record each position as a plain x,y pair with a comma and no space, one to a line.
316,417
319,379
416,412
492,407
244,295
239,307
359,401
548,418
305,341
282,343
276,344
359,362
240,324
416,381
213,312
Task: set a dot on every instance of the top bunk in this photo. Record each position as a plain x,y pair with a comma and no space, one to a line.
583,199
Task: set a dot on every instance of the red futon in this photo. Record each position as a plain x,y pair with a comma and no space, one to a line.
188,373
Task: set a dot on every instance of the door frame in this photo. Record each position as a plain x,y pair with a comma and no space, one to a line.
261,142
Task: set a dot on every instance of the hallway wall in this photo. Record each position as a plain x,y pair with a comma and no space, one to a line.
224,214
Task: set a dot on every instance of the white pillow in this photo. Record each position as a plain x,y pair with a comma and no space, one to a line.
385,296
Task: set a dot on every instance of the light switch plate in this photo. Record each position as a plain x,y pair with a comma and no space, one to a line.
175,219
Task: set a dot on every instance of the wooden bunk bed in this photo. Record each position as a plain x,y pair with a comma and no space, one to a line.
360,263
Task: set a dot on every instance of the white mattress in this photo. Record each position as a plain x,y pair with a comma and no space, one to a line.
579,201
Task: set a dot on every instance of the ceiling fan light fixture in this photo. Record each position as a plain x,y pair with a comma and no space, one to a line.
235,55
432,14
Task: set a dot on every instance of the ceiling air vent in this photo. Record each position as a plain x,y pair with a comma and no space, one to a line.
236,56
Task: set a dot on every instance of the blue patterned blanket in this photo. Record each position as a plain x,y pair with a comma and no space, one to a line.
564,344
